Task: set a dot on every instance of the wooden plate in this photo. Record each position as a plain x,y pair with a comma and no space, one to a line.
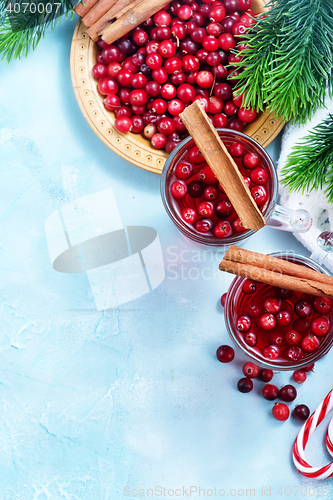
132,147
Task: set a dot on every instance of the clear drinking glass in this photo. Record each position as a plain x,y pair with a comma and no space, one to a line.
276,216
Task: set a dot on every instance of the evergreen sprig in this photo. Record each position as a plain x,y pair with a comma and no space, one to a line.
22,33
288,59
310,164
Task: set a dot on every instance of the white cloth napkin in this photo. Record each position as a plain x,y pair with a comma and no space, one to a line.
315,202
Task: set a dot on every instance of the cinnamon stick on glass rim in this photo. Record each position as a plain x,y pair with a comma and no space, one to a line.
221,162
131,19
276,272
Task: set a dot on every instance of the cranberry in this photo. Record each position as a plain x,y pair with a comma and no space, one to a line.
238,225
189,215
127,46
224,209
123,111
235,124
243,323
250,339
254,310
229,108
301,325
124,77
272,304
179,31
162,18
223,91
185,92
195,189
245,385
140,37
184,12
250,160
236,149
203,225
210,43
159,106
159,75
187,46
283,293
168,91
206,209
149,130
249,286
284,318
320,326
123,124
308,368
138,97
276,338
190,63
245,4
302,308
299,376
166,126
214,29
280,411
183,170
267,321
322,305
269,391
138,81
301,412
204,79
293,338
220,72
247,115
226,41
107,86
195,156
207,176
220,120
310,343
288,393
178,189
112,102
259,194
294,353
258,175
251,370
227,24
180,127
210,193
158,141
223,229
166,48
99,71
110,54
266,375
138,59
113,68
223,299
152,88
271,352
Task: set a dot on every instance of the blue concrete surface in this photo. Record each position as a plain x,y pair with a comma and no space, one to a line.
104,405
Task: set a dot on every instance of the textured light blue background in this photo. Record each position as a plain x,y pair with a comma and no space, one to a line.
93,401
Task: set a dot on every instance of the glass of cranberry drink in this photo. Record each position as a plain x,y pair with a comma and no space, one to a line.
198,205
279,328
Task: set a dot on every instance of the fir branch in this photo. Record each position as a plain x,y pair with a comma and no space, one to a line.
289,58
309,166
23,32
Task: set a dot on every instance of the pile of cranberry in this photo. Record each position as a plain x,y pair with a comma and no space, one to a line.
287,393
200,198
181,54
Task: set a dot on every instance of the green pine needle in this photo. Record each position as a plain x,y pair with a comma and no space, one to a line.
27,32
289,59
309,166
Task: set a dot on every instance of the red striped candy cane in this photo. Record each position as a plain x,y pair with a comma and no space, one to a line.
300,442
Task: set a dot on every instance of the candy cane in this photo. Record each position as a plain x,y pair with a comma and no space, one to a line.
300,442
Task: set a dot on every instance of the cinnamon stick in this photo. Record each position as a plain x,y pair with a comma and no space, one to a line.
105,20
81,9
98,11
283,266
131,19
277,279
216,155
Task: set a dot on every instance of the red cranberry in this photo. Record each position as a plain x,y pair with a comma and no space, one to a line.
251,370
288,393
112,102
293,338
227,41
294,353
162,18
178,189
243,323
280,411
238,225
267,321
195,189
301,325
283,293
184,12
322,305
195,156
210,43
214,29
207,176
220,120
225,354
302,308
259,194
245,385
308,368
223,229
152,88
258,175
204,79
166,126
210,193
185,92
224,209
123,111
184,170
320,326
99,71
299,376
271,352
269,391
159,75
189,215
223,299
229,108
249,286
310,343
223,91
247,115
166,48
272,305
203,225
250,160
236,149
227,24
284,318
123,124
149,131
276,338
250,339
301,412
266,375
107,86
206,209
254,310
158,141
